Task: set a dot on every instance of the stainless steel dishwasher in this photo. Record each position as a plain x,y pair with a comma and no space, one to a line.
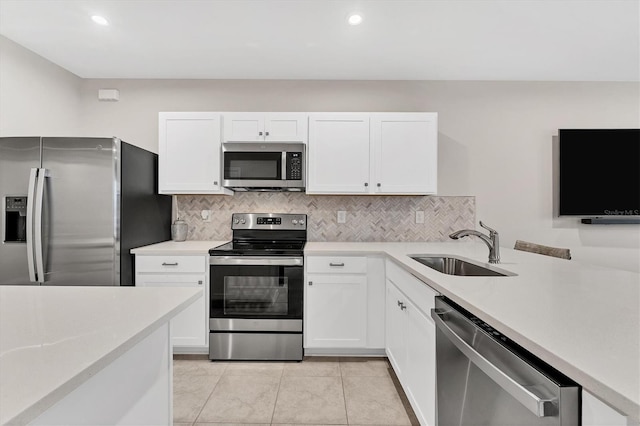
484,378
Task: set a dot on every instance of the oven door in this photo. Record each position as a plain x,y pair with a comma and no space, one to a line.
255,288
256,308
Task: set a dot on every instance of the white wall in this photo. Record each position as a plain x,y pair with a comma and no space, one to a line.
37,97
495,139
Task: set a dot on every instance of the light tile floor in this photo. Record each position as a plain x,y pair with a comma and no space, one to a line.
314,392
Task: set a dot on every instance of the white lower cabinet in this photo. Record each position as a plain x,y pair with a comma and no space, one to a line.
190,328
597,413
410,340
342,303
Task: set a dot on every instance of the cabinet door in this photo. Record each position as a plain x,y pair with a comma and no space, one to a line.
189,153
243,127
597,413
421,364
405,150
336,311
338,154
285,127
190,327
395,320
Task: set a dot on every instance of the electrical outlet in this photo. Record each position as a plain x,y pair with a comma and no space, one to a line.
419,216
342,216
205,215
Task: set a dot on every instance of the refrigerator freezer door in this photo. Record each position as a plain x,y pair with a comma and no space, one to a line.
81,211
18,155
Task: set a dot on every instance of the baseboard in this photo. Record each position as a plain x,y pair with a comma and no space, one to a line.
190,350
373,352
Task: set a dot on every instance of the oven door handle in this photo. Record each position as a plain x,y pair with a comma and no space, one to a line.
256,261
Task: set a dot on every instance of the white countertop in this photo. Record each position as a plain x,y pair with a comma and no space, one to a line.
52,339
582,319
180,248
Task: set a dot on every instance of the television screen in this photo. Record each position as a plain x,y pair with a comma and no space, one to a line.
599,172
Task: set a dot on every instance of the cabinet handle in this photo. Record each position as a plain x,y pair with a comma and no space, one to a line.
215,182
310,282
366,184
169,264
266,133
199,282
379,184
399,303
403,307
336,264
259,133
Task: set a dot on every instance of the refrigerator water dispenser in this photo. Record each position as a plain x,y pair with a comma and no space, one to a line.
15,220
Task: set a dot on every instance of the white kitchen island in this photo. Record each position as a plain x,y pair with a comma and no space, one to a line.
87,355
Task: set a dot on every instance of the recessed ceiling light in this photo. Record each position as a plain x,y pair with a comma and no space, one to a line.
354,19
100,20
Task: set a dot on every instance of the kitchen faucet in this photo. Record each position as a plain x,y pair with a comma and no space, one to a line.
491,241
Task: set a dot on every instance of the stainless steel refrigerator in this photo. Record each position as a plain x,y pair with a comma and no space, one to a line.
72,208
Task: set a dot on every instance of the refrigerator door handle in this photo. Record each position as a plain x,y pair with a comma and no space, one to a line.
39,207
31,197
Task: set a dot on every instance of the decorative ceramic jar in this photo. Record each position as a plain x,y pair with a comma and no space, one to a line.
179,230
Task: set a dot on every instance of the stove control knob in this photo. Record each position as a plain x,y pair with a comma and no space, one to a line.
294,221
242,221
301,222
236,221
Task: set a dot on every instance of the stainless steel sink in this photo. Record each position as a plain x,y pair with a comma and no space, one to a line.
456,266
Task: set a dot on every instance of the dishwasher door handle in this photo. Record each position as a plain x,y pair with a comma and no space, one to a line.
538,406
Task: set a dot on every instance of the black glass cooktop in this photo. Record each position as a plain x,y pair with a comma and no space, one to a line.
259,248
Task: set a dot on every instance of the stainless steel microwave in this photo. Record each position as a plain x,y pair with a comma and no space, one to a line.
263,166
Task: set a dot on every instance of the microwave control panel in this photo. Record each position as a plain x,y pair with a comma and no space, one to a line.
294,165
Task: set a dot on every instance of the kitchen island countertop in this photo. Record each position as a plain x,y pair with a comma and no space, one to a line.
53,339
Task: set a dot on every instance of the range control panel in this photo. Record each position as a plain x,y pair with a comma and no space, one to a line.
269,221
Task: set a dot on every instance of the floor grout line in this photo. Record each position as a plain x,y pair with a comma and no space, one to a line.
344,394
275,402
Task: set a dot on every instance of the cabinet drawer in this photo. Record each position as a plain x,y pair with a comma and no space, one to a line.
418,292
336,264
171,264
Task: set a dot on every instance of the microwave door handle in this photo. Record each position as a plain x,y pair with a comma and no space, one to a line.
31,198
283,176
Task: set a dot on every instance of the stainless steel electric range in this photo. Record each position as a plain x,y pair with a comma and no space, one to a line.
256,283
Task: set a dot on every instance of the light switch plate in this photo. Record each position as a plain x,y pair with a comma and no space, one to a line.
419,216
342,216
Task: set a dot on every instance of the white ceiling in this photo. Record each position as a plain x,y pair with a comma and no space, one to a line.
562,40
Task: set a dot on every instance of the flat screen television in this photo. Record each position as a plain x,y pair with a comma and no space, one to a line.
599,172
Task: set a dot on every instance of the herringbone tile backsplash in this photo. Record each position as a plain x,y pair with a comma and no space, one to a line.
369,218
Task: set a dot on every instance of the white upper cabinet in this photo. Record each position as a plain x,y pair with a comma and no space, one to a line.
189,153
405,153
373,153
338,151
265,127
